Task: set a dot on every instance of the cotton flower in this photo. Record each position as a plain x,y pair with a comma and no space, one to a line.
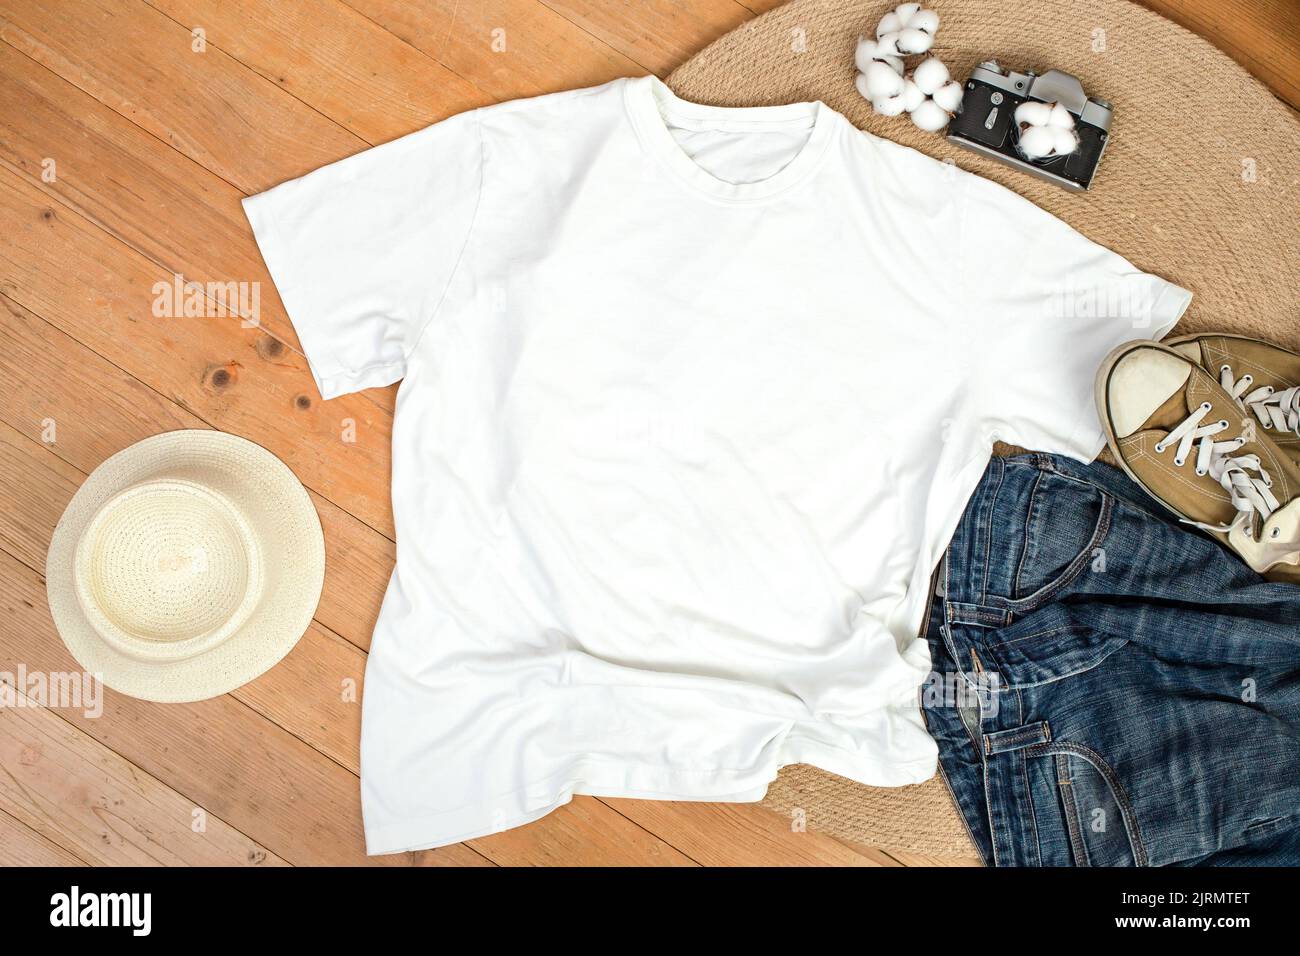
869,51
939,96
907,29
1046,130
880,81
929,95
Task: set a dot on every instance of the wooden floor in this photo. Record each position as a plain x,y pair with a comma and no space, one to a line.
126,142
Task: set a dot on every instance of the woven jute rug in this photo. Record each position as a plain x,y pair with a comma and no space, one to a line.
1200,184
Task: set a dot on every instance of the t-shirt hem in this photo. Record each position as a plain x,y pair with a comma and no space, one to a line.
331,381
618,779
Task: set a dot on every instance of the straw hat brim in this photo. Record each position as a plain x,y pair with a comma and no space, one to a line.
292,554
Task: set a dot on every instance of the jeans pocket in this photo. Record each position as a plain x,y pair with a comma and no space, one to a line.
1065,526
1098,815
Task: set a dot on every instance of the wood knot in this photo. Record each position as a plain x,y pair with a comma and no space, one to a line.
303,402
269,347
221,377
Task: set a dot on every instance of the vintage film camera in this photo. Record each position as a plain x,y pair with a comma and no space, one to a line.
986,122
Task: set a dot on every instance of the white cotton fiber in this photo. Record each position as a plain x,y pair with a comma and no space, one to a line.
912,95
930,75
1033,113
930,116
911,40
889,106
1063,140
882,81
926,20
1061,117
1037,141
949,96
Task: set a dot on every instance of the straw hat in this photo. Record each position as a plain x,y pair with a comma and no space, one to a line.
186,565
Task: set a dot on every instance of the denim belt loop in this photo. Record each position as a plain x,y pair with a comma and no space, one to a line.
1017,738
977,614
1013,825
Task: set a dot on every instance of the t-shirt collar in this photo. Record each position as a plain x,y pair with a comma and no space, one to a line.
649,100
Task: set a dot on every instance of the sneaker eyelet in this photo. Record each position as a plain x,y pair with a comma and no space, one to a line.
1275,532
1179,461
1159,448
1202,472
1225,368
1223,422
1248,378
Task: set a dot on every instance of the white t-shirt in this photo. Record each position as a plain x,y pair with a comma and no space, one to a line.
693,399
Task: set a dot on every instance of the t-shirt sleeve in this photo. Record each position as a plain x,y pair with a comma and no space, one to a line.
362,251
1049,305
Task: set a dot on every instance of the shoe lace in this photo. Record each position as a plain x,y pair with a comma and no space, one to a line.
1249,493
1274,409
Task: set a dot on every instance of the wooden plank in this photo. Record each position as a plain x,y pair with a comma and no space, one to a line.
583,832
335,60
136,187
140,63
742,834
23,846
80,795
99,291
508,48
1262,35
224,756
657,34
51,379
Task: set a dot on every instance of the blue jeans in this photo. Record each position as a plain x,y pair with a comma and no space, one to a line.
1111,688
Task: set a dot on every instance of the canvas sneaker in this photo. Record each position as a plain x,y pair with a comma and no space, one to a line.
1188,442
1262,377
